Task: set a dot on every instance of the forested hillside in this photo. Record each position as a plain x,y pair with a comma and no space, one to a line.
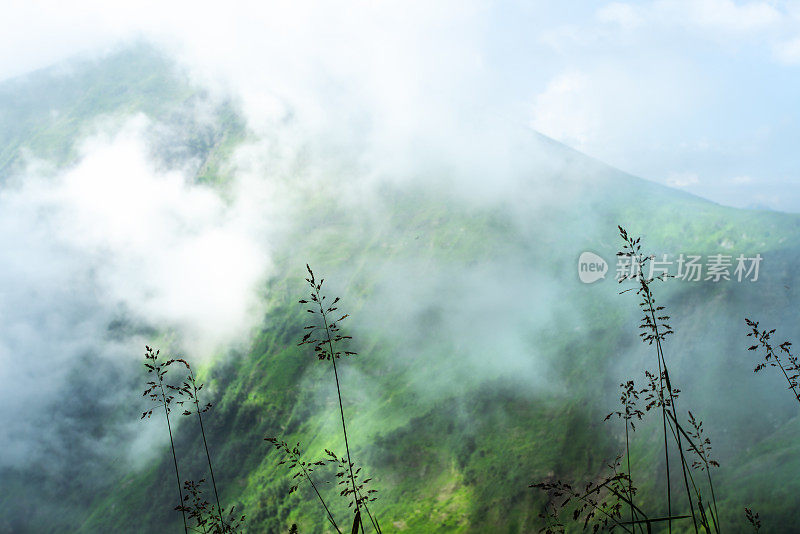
484,364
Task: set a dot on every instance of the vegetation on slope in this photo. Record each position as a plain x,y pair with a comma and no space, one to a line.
484,365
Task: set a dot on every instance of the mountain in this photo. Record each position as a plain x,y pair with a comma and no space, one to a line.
483,363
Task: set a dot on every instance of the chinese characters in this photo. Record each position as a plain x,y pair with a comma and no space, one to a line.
693,268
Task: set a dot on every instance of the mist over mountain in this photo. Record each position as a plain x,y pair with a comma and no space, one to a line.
143,204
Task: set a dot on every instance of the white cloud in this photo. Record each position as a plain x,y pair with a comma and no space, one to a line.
607,109
401,61
624,15
325,86
565,111
116,238
728,23
723,15
788,51
731,26
708,15
642,24
171,252
682,179
640,85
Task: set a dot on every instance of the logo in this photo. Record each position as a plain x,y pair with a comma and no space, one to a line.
591,267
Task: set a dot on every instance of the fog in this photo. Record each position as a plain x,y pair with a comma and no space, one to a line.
663,90
123,246
114,238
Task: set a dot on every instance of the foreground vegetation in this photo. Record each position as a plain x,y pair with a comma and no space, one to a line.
598,504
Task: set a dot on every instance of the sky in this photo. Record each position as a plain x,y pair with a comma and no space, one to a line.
696,94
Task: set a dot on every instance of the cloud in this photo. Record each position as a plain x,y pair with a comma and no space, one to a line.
391,88
400,78
173,252
118,248
117,240
606,109
682,179
707,83
728,23
564,112
329,61
788,51
624,15
723,16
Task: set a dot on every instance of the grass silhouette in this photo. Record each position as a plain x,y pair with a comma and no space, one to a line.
293,457
601,503
208,518
608,503
157,391
326,337
779,356
191,391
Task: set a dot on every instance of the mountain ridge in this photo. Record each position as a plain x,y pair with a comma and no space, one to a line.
455,422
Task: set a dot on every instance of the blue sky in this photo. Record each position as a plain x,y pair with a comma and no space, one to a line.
697,94
701,95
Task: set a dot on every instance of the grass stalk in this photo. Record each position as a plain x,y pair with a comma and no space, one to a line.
341,412
295,460
321,500
324,347
191,389
174,460
156,390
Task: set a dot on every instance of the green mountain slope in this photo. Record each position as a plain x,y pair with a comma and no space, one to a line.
484,364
